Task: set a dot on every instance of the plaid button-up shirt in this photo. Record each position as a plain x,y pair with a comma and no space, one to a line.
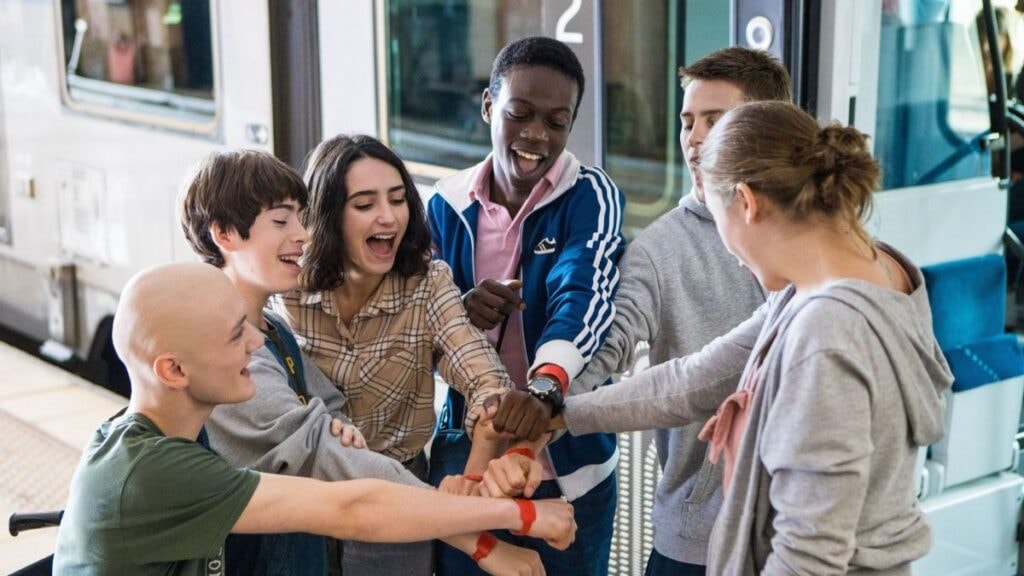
384,361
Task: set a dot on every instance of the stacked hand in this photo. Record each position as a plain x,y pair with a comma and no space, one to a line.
555,523
519,414
460,485
510,476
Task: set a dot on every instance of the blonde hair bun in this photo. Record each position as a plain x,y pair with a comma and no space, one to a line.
782,153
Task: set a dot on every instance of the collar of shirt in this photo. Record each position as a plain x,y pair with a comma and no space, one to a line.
480,190
386,299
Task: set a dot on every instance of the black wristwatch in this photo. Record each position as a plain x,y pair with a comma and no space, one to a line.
547,389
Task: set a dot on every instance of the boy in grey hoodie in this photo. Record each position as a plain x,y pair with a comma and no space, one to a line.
841,376
680,289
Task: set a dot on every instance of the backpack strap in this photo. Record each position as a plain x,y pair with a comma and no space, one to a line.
281,342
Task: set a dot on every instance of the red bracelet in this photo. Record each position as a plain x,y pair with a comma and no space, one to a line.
557,372
484,544
474,477
524,451
527,513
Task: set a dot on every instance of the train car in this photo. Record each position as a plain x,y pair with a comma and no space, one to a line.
104,104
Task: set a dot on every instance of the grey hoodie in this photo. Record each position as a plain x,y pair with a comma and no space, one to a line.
849,388
274,432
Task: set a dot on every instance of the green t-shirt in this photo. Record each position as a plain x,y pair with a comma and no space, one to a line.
143,503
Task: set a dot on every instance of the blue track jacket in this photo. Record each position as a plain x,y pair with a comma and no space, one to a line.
571,243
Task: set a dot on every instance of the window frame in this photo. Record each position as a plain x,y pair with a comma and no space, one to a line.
210,129
420,170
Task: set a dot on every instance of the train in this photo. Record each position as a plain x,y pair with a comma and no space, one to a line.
105,104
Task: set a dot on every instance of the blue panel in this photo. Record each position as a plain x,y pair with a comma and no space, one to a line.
921,49
986,361
968,299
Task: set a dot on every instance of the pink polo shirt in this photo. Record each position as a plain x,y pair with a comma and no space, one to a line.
498,249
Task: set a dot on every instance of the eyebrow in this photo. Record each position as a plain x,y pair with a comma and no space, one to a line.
236,333
288,205
529,103
398,188
703,113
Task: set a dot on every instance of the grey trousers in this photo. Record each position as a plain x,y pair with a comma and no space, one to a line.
366,559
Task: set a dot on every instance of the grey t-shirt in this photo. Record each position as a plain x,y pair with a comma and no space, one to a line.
144,503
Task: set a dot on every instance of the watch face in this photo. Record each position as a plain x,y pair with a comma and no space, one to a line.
542,385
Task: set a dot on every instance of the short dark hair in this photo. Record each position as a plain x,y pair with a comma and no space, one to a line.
538,51
326,168
755,72
230,189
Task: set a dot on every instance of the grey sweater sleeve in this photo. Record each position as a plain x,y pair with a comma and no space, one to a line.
819,481
274,432
637,306
320,386
671,394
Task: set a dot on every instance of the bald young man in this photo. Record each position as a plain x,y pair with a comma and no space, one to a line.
147,499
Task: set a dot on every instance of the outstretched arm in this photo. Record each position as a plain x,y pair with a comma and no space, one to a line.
637,313
465,360
377,511
671,394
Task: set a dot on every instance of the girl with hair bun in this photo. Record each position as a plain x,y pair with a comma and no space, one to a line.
842,378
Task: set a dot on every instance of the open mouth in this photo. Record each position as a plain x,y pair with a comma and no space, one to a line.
382,245
291,260
245,372
528,161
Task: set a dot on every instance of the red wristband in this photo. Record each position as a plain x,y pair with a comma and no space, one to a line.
524,451
484,544
474,477
527,513
555,371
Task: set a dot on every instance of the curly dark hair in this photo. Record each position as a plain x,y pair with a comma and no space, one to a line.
538,51
326,169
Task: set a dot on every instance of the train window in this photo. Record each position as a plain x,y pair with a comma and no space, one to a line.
439,56
643,45
150,60
932,88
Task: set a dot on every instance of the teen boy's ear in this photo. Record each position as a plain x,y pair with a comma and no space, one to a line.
169,371
226,239
486,103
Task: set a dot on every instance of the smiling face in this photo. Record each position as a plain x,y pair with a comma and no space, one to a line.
217,363
267,262
375,217
704,102
530,118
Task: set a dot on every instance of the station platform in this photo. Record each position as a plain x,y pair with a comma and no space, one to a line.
46,418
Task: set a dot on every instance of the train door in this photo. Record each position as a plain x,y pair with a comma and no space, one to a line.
926,78
918,76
